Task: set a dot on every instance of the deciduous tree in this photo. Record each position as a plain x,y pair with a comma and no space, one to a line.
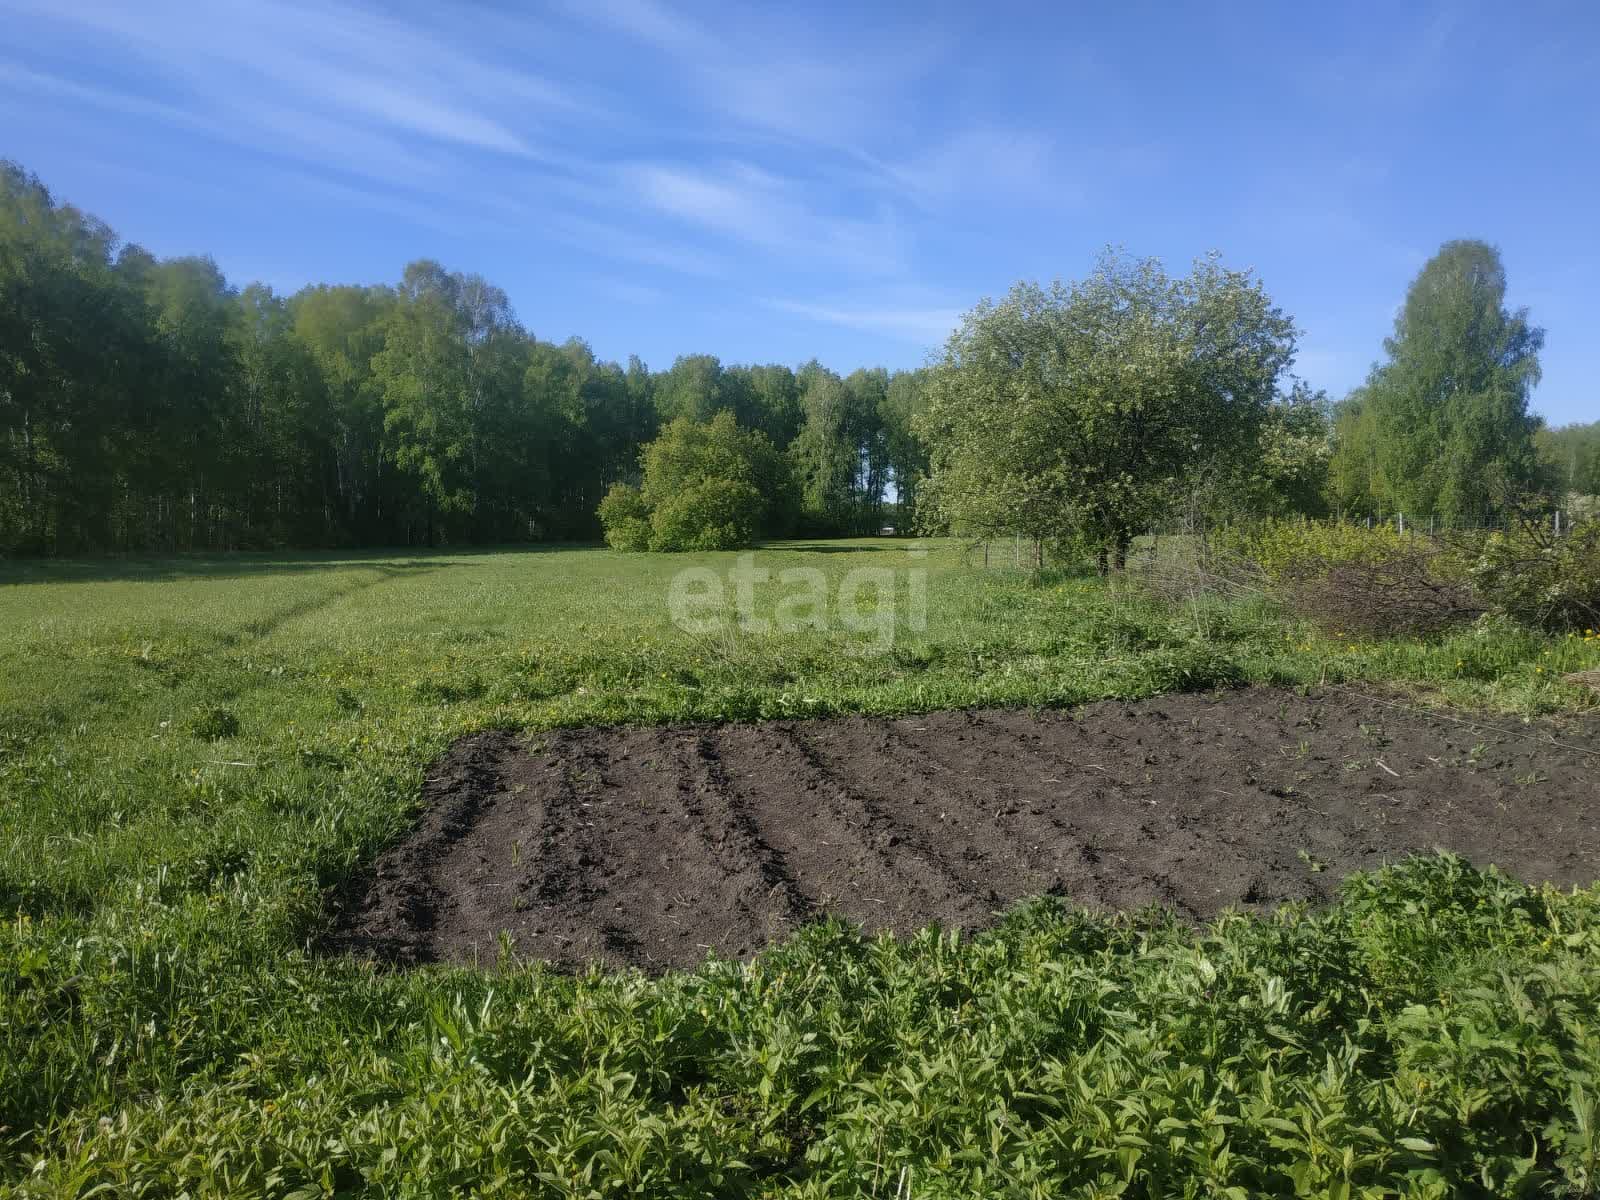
1447,423
1078,411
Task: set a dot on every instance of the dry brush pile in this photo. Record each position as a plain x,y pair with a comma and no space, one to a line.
1382,582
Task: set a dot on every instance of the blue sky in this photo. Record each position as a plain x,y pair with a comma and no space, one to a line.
768,183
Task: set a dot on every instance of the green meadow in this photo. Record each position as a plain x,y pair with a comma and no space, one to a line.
194,751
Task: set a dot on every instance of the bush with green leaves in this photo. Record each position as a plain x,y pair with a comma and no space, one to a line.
1358,579
1286,548
1578,508
1378,580
1543,580
708,485
626,518
714,514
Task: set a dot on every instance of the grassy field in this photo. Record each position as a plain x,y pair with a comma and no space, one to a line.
193,751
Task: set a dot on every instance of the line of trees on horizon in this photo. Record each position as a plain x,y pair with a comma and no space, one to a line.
149,405
1081,414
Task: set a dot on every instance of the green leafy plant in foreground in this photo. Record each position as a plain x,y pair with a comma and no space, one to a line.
1435,1032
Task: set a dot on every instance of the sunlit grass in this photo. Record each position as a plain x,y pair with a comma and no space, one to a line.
216,717
193,751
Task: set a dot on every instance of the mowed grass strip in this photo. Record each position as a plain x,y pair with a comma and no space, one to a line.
193,751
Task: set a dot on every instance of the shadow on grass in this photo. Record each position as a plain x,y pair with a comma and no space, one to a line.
833,548
167,568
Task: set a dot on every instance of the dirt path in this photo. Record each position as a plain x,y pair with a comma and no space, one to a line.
651,846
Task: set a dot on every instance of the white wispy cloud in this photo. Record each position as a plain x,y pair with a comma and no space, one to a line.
769,71
40,83
418,113
278,130
755,206
648,22
359,92
925,326
754,144
1007,165
455,221
844,98
322,138
624,245
330,58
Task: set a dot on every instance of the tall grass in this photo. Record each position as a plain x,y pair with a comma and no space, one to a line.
192,752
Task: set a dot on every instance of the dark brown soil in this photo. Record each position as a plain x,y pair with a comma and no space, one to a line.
651,847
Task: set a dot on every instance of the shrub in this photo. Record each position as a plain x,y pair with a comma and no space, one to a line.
1401,594
1195,667
626,518
1430,1034
629,535
1545,581
1290,548
1578,508
1380,581
1210,572
1349,577
718,514
706,486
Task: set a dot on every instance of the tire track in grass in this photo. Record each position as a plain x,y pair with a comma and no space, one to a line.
259,628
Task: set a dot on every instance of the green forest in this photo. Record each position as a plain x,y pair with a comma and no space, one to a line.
152,405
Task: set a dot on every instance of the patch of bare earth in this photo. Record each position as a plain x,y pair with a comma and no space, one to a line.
651,846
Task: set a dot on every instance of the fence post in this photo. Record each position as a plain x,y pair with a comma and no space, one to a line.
985,554
1400,521
1558,522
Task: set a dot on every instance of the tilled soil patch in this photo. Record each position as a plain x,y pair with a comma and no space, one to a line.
652,846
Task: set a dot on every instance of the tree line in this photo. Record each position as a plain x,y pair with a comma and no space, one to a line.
1083,413
149,404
